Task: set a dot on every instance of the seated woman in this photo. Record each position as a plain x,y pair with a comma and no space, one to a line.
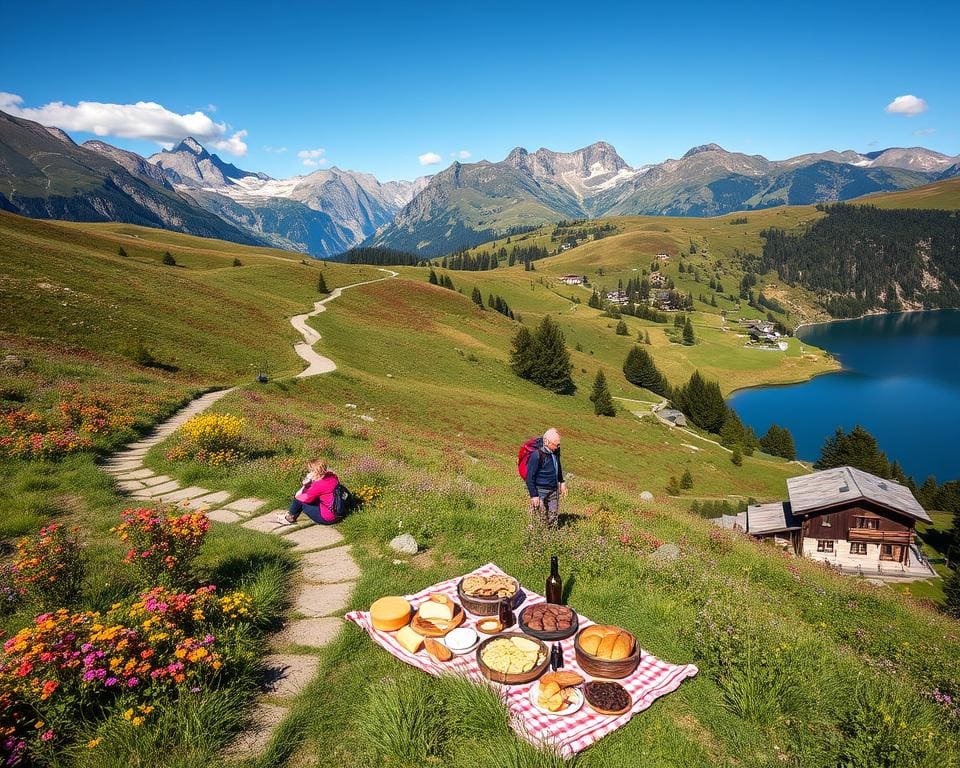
315,497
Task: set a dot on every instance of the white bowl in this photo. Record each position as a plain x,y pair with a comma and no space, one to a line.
461,640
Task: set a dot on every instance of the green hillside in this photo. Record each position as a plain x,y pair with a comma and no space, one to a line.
942,195
798,665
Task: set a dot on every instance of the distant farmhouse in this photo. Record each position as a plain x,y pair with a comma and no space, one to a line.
760,330
658,279
663,257
853,520
573,279
617,297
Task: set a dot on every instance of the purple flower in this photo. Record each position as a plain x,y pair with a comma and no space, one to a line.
110,681
133,682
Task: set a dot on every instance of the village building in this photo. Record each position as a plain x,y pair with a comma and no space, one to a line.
663,257
658,279
573,279
761,330
673,416
855,521
666,300
617,297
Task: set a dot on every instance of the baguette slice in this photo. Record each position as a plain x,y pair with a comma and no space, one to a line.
438,651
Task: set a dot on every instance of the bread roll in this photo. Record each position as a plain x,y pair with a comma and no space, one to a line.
606,642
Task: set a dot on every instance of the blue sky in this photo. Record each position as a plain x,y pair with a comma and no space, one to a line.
379,85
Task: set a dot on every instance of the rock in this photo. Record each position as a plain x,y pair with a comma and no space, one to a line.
405,544
646,496
12,363
389,375
365,417
666,553
351,405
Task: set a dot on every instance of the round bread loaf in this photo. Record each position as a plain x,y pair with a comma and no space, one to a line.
607,642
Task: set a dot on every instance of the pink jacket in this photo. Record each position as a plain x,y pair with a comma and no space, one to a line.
320,492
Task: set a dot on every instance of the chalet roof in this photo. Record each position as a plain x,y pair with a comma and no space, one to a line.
762,519
831,487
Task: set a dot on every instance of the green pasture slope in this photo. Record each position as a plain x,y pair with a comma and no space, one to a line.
942,195
798,666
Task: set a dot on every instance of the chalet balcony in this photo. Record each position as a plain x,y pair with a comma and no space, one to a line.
873,536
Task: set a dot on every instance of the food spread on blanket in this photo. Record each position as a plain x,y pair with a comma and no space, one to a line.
607,642
558,690
547,617
489,586
513,655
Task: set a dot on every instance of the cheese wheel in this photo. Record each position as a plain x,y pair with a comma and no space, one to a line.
390,613
409,639
433,611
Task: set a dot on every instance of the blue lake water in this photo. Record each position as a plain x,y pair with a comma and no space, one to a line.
901,382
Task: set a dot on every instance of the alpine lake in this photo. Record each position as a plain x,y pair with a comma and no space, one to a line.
900,381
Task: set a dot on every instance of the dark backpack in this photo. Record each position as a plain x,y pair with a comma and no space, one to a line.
533,444
342,501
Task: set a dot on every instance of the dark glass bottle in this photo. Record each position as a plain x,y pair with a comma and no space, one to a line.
505,612
554,583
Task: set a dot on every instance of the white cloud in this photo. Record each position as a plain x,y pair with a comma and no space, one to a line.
462,154
211,108
312,157
234,145
925,132
907,105
275,150
143,120
429,158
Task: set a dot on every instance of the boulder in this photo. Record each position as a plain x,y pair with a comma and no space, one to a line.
666,553
405,544
646,496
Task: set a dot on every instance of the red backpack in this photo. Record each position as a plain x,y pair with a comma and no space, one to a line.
533,444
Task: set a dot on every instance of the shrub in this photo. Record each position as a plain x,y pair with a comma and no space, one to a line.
334,428
49,569
686,482
736,457
162,545
237,262
673,487
215,439
168,259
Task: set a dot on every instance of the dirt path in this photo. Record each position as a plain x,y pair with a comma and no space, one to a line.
316,363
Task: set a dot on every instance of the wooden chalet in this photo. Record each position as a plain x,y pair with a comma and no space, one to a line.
843,515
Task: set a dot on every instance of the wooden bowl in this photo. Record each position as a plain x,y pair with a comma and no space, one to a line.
557,634
596,708
612,670
486,606
521,677
496,628
437,628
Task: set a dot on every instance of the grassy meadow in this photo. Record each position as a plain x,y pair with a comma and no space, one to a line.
799,666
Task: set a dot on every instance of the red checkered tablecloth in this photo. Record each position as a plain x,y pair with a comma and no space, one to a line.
568,734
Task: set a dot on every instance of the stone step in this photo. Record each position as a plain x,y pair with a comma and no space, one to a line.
210,500
246,506
130,485
223,516
183,494
286,675
253,742
314,537
137,474
267,523
329,566
312,633
121,467
315,600
156,480
164,488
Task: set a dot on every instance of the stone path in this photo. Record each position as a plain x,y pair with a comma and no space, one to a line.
323,585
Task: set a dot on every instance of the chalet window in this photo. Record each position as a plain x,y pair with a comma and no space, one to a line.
824,545
870,523
858,548
825,522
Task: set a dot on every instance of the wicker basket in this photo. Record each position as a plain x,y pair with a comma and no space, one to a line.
486,606
605,668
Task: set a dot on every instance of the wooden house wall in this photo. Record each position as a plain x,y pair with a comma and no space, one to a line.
841,520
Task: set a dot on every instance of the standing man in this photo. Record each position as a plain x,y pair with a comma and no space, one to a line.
545,479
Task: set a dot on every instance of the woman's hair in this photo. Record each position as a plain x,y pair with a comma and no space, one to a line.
317,466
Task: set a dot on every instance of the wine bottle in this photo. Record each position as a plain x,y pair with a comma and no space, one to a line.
554,583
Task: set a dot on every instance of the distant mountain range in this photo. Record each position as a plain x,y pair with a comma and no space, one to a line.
469,204
44,174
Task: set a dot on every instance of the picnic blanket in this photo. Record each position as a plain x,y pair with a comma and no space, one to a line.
567,734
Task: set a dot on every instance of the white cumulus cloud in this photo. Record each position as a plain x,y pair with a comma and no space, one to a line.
143,120
908,105
312,157
429,158
462,154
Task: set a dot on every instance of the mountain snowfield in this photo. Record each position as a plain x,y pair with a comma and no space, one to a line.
331,210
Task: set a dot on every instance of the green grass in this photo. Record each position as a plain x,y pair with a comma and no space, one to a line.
942,195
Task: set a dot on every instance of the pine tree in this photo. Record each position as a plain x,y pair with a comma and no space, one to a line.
322,284
857,449
686,482
477,297
688,337
779,442
168,259
594,300
736,457
702,402
522,355
433,277
602,402
673,487
640,370
121,252
553,361
237,262
622,329
447,282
